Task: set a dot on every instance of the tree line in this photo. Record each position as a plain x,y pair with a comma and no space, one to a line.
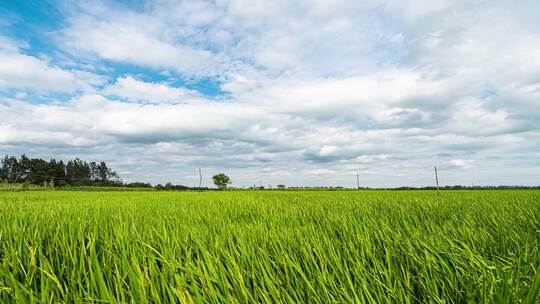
75,172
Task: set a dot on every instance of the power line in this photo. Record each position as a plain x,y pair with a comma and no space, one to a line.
56,177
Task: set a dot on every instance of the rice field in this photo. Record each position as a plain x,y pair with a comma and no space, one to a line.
270,247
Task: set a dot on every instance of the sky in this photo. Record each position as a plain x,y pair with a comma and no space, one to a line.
277,92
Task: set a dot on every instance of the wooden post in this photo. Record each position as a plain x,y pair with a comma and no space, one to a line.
437,180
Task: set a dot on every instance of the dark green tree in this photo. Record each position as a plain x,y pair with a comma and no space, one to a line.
36,171
12,170
105,174
221,180
78,172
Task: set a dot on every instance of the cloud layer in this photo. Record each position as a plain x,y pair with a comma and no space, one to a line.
307,93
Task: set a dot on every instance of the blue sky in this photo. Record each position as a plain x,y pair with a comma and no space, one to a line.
303,93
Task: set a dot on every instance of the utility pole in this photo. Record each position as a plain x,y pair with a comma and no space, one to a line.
437,180
357,182
200,179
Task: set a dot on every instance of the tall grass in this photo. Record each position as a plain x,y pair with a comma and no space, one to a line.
295,247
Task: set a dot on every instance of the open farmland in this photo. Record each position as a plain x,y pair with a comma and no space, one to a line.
262,246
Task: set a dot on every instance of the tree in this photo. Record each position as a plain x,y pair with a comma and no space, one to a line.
78,172
12,169
39,172
221,180
36,170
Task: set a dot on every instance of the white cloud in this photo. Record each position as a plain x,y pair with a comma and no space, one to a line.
20,71
378,99
136,90
134,39
461,163
21,95
94,115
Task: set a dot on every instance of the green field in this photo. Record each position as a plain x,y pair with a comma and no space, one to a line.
247,247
